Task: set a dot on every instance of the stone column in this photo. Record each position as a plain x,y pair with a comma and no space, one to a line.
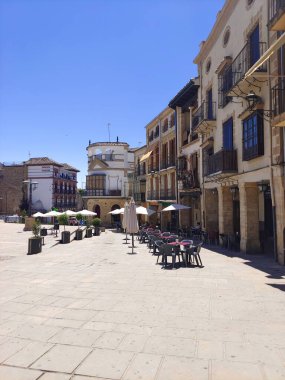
225,210
211,204
249,218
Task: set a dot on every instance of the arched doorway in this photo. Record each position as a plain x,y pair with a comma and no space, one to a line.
97,209
115,219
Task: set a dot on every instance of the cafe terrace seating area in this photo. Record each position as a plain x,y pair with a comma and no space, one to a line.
173,250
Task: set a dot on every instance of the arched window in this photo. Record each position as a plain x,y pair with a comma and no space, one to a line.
97,209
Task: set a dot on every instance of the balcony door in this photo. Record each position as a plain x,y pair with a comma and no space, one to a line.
210,104
228,134
254,46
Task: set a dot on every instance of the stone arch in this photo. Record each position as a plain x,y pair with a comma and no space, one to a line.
97,209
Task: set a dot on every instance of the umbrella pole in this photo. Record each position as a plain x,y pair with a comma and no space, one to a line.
132,243
126,238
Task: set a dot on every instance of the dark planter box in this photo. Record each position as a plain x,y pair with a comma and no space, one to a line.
65,237
35,246
43,232
79,235
89,232
97,231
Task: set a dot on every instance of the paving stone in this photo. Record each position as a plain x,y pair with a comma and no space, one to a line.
179,368
109,340
62,358
11,346
80,315
210,350
55,376
60,322
170,346
27,355
133,342
224,370
76,337
143,367
101,326
12,373
105,363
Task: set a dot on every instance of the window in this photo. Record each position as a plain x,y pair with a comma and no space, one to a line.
208,65
226,36
228,134
253,145
254,46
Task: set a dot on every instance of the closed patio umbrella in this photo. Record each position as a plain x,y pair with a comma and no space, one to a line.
125,219
132,221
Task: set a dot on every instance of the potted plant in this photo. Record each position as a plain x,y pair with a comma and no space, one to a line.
35,242
88,229
65,235
79,231
96,223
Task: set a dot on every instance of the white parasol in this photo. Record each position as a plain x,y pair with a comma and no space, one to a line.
38,215
52,214
175,207
132,221
140,210
70,213
86,213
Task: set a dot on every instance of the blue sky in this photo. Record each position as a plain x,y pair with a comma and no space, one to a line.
70,67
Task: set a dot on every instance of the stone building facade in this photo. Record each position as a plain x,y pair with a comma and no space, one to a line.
107,183
11,188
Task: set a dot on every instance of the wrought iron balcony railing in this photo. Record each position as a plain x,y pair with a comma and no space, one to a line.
167,162
207,111
189,179
153,195
278,98
102,193
167,194
223,161
246,58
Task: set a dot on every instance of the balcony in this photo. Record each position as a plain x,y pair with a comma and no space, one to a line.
153,195
139,197
224,161
167,194
278,103
153,168
231,81
102,193
276,15
167,163
204,117
188,179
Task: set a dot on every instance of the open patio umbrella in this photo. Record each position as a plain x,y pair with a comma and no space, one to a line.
117,211
125,219
140,210
70,213
86,213
176,207
132,221
38,215
52,214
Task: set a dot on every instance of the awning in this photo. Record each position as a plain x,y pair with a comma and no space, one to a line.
273,48
146,156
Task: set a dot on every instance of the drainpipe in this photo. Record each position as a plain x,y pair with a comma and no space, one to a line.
270,157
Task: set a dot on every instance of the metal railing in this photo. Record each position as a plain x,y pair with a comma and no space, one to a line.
153,195
222,161
241,64
167,194
278,98
168,162
139,197
102,193
276,9
189,179
206,111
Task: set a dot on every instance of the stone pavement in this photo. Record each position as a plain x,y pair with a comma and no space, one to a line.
90,310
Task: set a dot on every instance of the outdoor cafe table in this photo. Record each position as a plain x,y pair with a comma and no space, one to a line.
183,244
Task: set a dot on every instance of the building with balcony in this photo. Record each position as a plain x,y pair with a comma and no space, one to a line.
56,184
238,119
107,181
160,160
185,105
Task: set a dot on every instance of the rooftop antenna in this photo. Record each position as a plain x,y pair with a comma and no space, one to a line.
108,125
29,154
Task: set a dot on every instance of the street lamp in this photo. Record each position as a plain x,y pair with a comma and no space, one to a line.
32,186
